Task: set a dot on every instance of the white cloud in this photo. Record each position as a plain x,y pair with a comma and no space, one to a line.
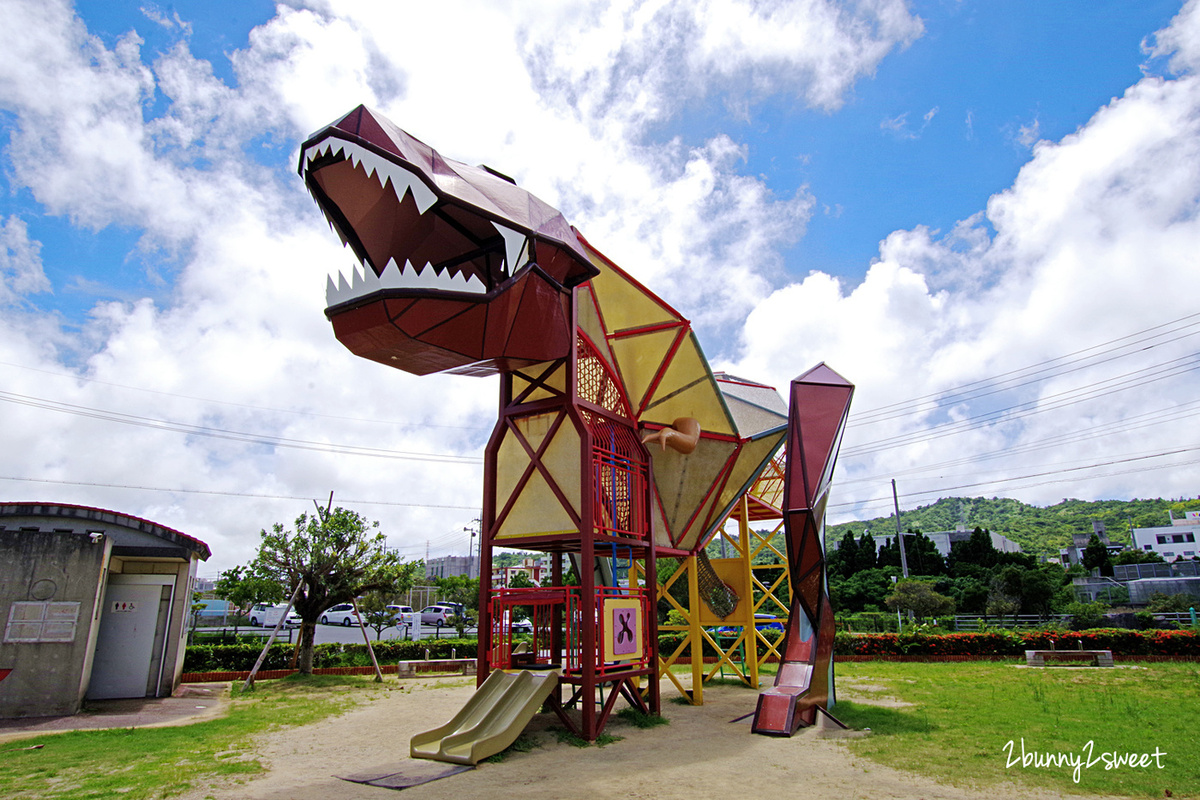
240,318
1096,239
20,262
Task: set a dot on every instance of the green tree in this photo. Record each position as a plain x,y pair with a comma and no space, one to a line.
334,557
464,591
977,551
1164,603
919,598
923,555
1039,587
1004,593
865,557
844,560
862,591
1095,556
245,588
1138,557
970,594
889,554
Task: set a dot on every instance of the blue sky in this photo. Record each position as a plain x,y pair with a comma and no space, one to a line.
925,195
925,141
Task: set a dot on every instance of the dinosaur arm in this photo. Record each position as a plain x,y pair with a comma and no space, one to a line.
682,436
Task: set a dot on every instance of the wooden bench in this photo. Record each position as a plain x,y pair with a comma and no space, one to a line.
1099,658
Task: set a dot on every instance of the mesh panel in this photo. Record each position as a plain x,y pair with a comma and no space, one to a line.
619,478
715,593
596,383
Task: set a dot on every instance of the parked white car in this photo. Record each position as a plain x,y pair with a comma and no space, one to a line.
267,616
341,614
403,615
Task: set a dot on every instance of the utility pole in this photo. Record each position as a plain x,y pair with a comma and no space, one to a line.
471,562
899,534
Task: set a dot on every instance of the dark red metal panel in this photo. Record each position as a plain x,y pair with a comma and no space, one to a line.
819,405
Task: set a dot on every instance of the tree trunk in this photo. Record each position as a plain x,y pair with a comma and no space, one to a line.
308,631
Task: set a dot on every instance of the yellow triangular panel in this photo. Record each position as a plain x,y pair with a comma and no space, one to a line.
640,358
684,480
697,529
699,401
658,525
746,468
625,305
537,512
562,460
589,323
511,461
689,390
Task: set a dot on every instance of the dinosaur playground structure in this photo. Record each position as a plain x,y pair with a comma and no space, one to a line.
616,446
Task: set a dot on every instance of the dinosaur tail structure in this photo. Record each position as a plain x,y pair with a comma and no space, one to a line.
819,402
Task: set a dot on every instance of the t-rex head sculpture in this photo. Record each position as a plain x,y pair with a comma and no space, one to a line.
463,271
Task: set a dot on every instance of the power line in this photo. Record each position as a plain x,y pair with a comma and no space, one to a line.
1106,387
248,406
221,493
968,391
943,490
224,433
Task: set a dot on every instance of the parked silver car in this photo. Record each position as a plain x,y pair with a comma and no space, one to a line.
436,615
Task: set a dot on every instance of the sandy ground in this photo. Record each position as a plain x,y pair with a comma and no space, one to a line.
701,754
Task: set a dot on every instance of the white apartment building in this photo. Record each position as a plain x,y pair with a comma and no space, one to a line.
1178,540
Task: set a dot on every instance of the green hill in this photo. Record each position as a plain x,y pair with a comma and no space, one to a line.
1040,531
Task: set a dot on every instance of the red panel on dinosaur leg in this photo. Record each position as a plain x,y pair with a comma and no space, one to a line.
808,590
818,404
822,681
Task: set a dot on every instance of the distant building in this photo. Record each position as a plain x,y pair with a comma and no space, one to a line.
942,540
1073,554
94,604
1177,540
533,568
449,566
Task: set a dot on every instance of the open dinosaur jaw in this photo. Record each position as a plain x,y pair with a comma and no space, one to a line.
406,239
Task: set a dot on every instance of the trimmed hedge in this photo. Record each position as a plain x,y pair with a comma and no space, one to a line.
1122,642
238,657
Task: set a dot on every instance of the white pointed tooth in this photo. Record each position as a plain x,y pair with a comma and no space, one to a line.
343,289
516,250
469,283
357,284
391,277
331,291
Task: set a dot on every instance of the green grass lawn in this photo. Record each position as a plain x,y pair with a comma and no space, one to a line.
162,762
963,717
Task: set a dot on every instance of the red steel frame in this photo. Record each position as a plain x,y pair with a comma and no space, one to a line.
614,495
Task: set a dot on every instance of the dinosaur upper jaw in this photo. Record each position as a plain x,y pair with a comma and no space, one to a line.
426,228
420,222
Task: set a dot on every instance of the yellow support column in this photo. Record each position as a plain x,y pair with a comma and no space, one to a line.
695,634
749,629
